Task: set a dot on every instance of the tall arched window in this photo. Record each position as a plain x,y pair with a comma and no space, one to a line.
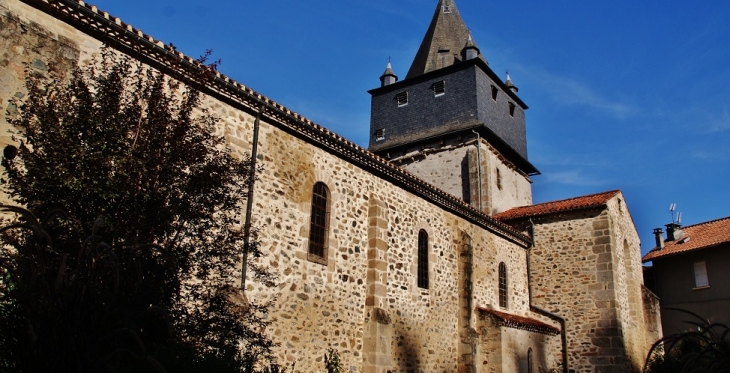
502,285
319,223
529,360
423,259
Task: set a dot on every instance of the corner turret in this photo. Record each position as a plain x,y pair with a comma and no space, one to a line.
388,76
470,50
512,87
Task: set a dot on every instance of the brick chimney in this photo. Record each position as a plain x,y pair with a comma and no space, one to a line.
659,238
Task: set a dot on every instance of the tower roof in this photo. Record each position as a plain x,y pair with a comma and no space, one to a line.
443,42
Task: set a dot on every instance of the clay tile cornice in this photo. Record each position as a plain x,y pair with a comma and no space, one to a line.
124,37
519,322
695,237
553,207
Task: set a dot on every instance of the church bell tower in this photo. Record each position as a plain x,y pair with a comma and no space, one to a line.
453,122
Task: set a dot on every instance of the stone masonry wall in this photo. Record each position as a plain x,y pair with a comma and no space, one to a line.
626,249
503,349
454,168
585,267
571,277
366,290
323,306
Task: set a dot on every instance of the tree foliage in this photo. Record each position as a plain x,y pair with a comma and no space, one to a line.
131,265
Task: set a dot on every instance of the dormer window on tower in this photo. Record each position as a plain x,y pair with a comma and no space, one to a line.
494,93
447,9
402,98
439,88
511,109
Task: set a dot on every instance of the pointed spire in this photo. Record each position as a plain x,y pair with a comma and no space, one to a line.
444,40
512,87
388,76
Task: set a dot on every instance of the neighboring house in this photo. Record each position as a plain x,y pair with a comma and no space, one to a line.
691,270
424,252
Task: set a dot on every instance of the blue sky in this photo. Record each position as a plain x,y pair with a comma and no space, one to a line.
630,95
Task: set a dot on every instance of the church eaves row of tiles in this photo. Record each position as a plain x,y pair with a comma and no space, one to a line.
166,58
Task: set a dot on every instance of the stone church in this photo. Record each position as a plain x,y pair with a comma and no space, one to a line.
422,253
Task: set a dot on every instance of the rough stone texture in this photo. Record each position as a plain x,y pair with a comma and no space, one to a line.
585,266
503,185
425,322
452,165
504,349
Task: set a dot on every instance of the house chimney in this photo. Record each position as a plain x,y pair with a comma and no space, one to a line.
659,238
673,231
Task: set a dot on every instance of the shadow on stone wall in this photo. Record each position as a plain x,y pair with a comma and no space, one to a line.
406,357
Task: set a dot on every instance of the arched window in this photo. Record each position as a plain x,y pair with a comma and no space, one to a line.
319,224
529,360
423,259
499,180
502,285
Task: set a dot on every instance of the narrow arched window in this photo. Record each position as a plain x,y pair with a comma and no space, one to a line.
502,285
499,180
529,360
423,259
319,223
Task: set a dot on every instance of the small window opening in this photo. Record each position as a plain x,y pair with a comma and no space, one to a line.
423,259
439,88
402,98
700,270
502,285
511,109
529,360
494,93
499,180
447,9
319,224
379,134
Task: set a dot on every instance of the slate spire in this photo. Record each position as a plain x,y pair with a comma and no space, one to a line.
443,42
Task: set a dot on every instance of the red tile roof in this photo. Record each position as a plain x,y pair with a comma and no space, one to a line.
520,322
570,204
696,237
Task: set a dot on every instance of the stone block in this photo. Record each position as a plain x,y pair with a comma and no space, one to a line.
600,224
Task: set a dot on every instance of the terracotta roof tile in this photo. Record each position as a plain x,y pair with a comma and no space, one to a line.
571,204
696,237
520,322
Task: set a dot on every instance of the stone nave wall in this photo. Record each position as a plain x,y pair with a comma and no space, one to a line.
364,300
